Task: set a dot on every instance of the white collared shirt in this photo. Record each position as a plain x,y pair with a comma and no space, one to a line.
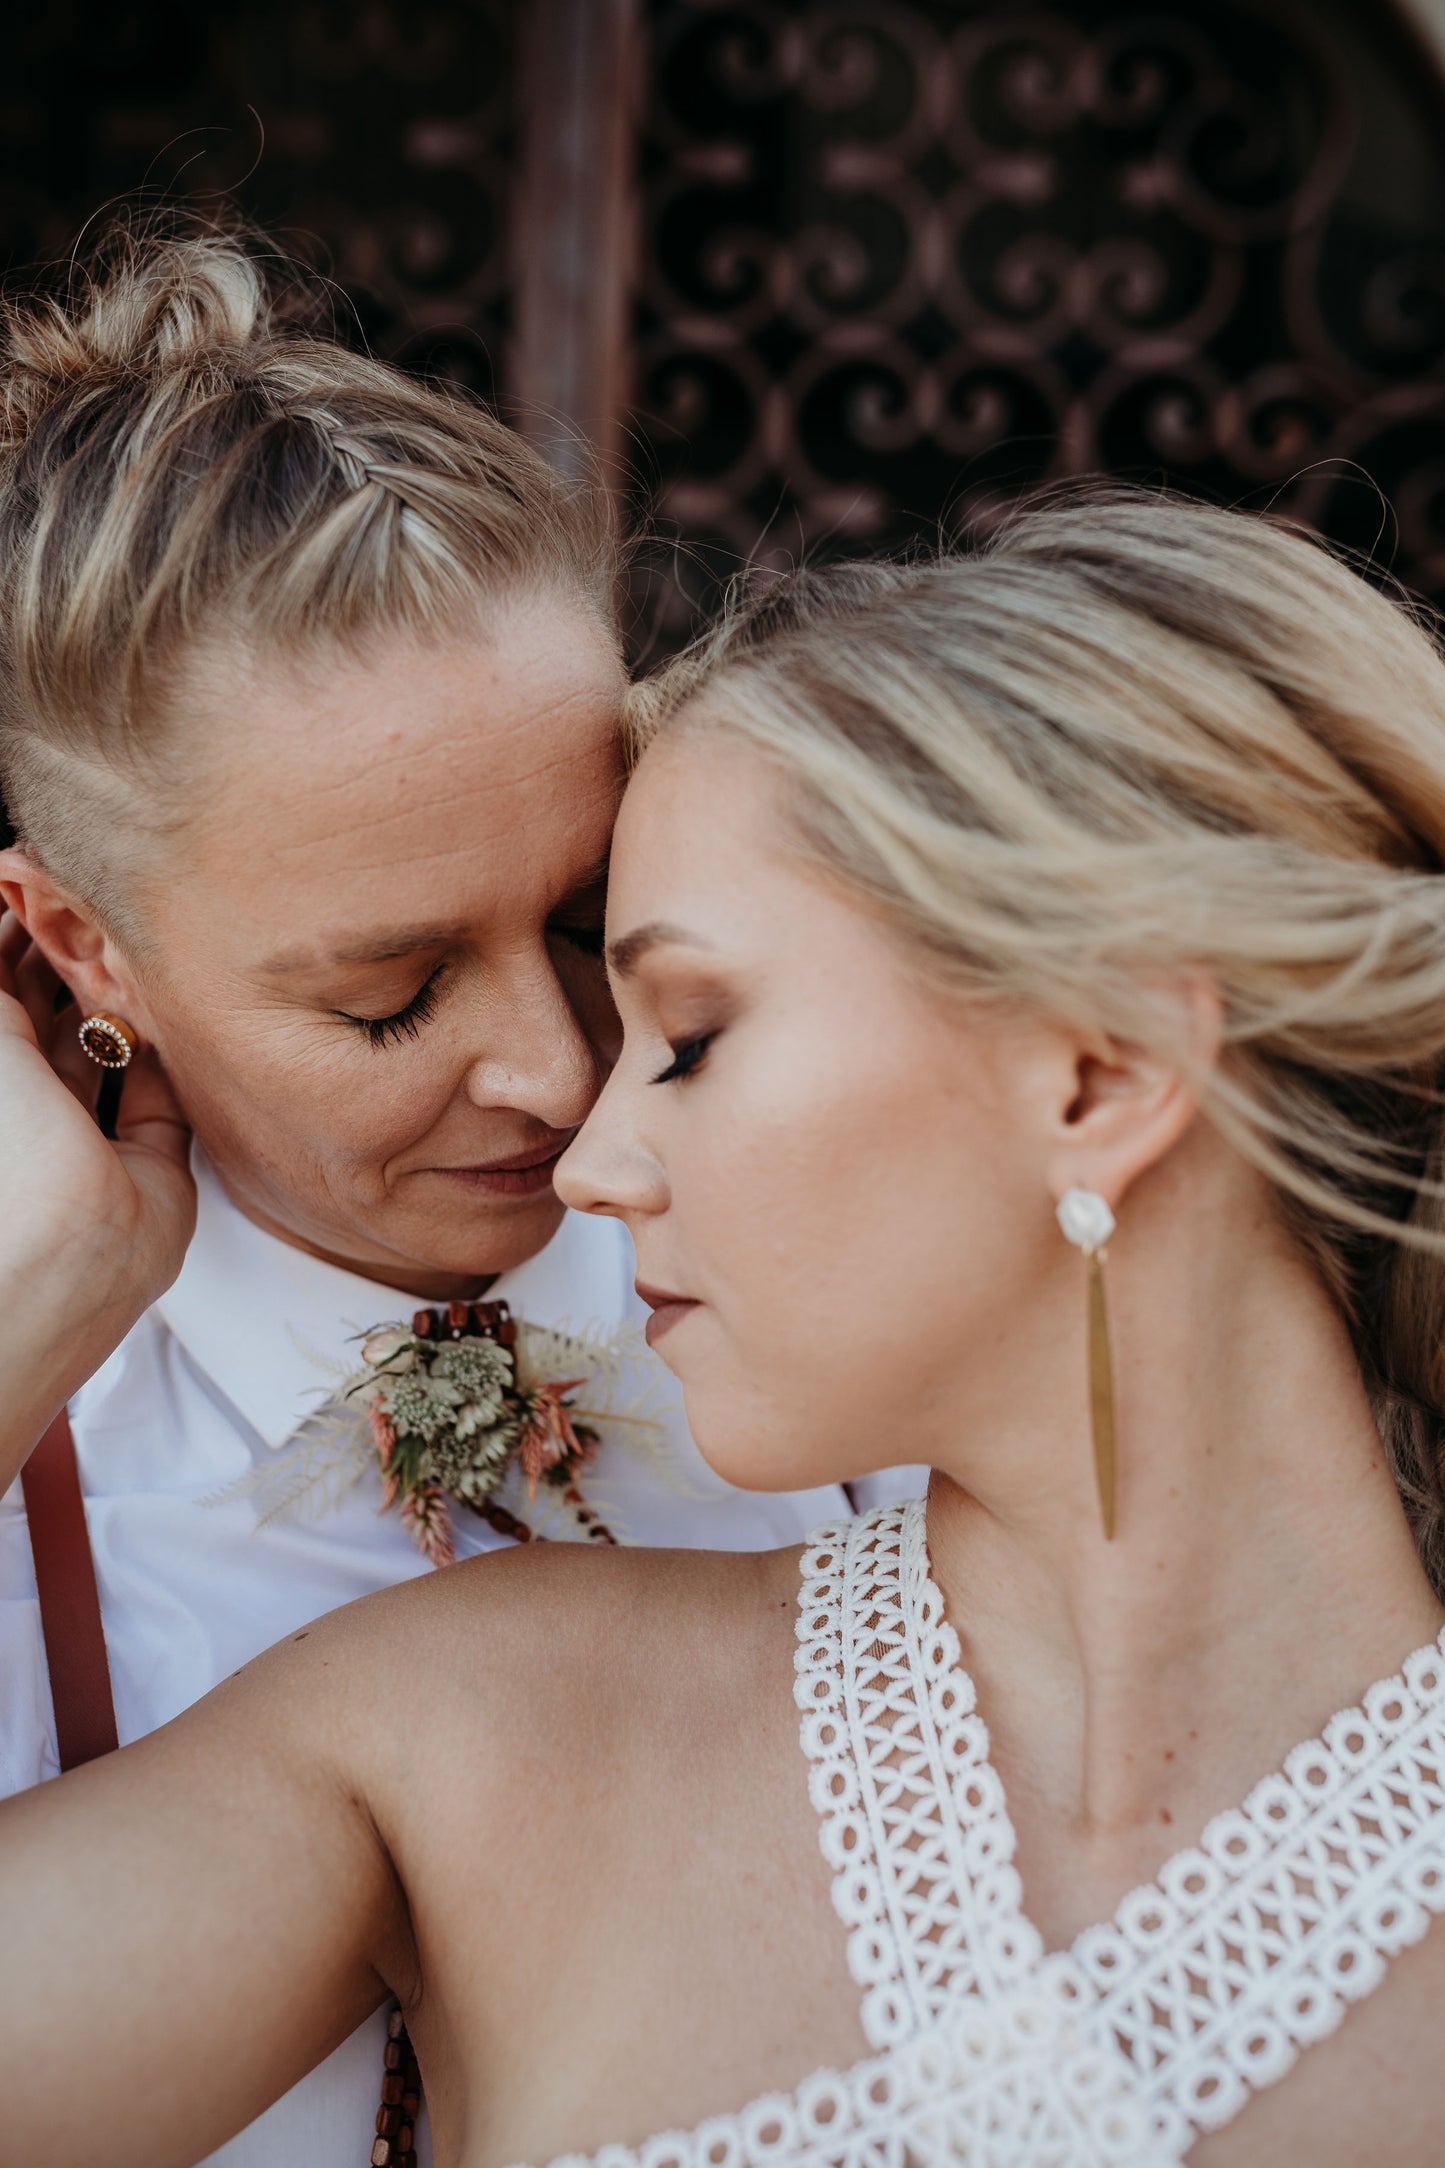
214,1379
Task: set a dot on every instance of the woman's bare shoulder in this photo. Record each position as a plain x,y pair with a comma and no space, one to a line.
501,1663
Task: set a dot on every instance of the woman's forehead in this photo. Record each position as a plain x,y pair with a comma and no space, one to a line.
431,786
703,815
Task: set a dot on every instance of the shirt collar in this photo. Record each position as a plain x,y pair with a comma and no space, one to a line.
275,1329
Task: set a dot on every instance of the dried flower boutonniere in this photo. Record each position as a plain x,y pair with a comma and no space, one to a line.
470,1406
452,1409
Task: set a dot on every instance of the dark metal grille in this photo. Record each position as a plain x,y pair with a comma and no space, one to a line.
903,258
895,259
389,145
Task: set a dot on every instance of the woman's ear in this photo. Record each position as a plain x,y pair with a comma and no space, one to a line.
1129,1107
68,934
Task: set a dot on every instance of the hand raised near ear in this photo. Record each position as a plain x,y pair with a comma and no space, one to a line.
90,1232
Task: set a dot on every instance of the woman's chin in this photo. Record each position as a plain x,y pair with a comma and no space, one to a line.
475,1236
757,1452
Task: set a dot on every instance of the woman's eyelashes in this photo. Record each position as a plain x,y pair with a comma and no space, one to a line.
687,1058
406,1022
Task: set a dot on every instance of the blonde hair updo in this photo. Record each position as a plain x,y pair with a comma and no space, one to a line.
1128,737
192,475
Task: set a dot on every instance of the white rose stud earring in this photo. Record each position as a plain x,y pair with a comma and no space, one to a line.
1088,1223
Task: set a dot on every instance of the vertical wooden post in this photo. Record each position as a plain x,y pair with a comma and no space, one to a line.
572,228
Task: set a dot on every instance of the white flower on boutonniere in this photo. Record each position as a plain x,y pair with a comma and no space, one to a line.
389,1348
465,1404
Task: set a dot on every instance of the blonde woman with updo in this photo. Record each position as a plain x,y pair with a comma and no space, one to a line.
310,690
1033,977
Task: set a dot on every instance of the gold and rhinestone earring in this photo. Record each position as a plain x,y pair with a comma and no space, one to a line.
1088,1223
107,1040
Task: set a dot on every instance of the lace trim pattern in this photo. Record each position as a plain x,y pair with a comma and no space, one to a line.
1011,2083
1251,1946
1209,1980
912,1813
1203,1988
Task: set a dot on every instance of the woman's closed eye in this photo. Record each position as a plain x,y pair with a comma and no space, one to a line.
687,1056
404,1023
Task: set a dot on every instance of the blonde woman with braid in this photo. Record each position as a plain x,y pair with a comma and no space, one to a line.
990,935
310,692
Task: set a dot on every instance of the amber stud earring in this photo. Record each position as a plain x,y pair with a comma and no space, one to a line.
107,1040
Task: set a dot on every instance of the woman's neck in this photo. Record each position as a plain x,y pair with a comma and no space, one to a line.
1262,1575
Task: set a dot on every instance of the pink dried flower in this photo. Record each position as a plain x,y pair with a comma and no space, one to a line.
548,1438
383,1430
428,1522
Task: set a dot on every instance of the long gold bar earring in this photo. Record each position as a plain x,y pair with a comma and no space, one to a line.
1088,1223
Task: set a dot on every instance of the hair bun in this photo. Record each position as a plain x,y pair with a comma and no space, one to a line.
150,302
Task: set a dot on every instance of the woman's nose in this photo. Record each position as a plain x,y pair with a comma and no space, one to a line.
608,1168
538,1057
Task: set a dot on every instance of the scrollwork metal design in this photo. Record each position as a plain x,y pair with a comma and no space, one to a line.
903,258
378,140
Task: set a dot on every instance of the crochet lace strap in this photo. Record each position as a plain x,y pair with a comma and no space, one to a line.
1252,1945
1204,1987
912,1816
1211,1979
989,2085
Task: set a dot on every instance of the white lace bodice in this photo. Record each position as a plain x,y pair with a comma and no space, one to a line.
1203,1988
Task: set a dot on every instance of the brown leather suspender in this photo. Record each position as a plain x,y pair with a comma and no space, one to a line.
85,1708
69,1600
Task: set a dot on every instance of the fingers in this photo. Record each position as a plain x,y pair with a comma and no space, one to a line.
15,1019
163,1182
14,941
39,988
153,1138
39,985
68,1058
27,976
31,981
150,1114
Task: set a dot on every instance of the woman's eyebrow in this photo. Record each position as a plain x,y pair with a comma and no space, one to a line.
625,955
388,944
379,948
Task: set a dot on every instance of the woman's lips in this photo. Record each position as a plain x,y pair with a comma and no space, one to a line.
525,1174
667,1310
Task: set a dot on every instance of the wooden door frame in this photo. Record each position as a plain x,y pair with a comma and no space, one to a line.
573,231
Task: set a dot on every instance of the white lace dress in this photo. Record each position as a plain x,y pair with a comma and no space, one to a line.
1202,1989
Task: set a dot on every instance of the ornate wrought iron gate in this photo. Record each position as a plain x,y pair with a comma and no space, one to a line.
822,275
